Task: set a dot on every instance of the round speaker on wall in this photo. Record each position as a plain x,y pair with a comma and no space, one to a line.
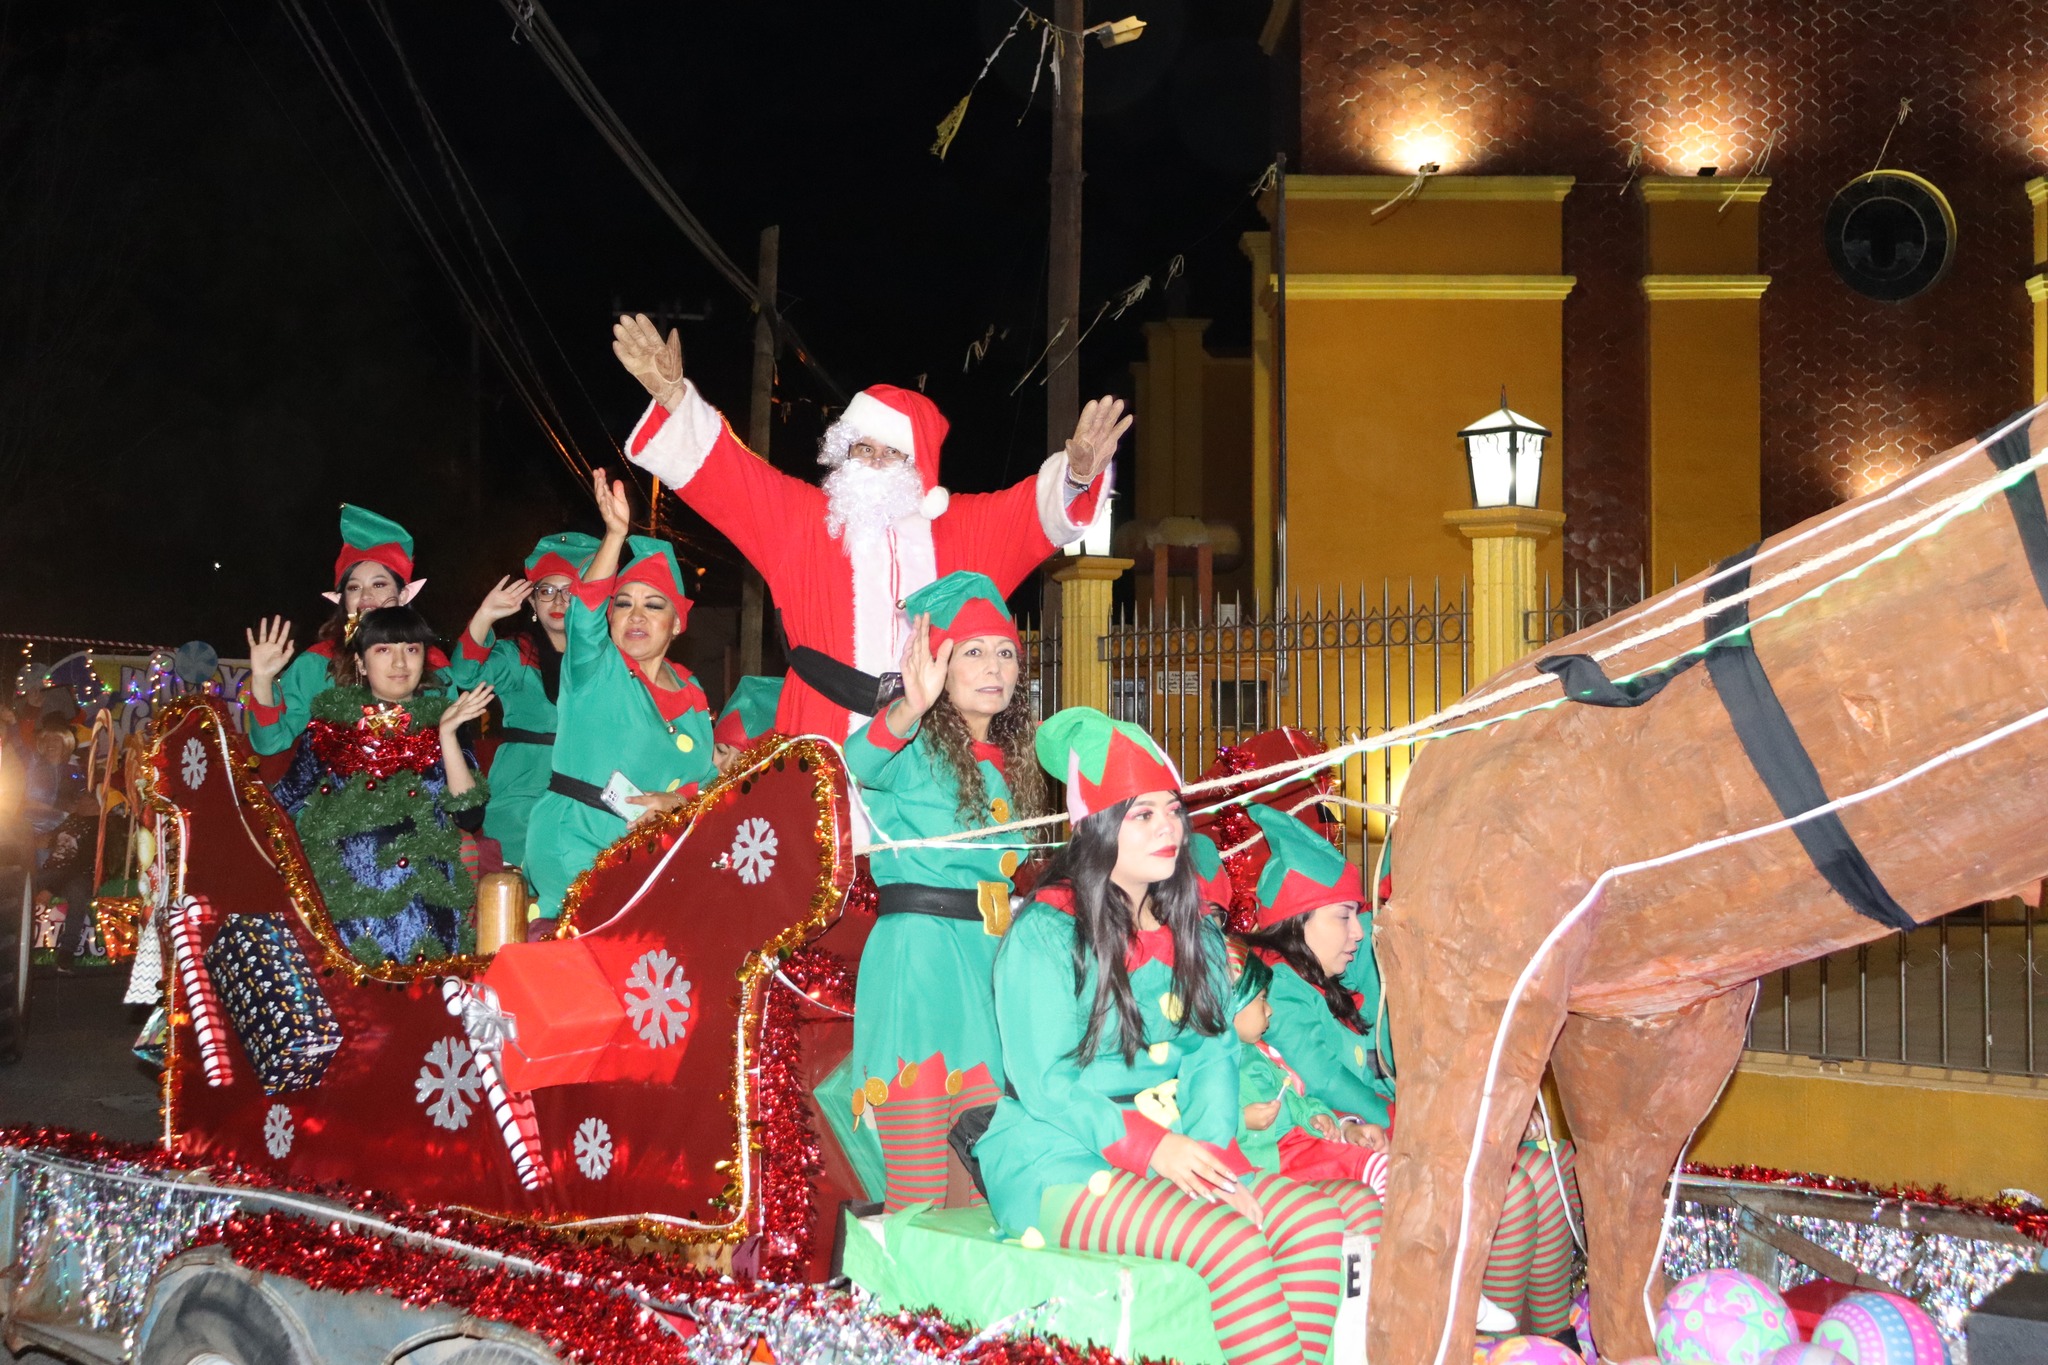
1890,235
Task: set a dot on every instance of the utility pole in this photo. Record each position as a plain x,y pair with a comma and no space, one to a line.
760,426
1063,254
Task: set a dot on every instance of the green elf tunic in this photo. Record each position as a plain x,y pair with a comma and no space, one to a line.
1260,1079
1067,1120
609,719
924,979
1334,1062
525,757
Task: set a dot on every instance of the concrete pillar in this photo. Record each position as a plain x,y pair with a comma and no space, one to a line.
1704,370
1084,582
2037,284
1505,588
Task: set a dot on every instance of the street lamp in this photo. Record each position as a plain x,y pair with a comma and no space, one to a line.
1505,452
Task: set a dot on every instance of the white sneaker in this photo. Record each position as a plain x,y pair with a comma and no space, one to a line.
1494,1320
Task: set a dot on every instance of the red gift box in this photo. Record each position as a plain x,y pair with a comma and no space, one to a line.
565,1011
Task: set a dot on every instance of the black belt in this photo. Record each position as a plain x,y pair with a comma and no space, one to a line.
946,902
1766,733
508,735
2023,500
576,789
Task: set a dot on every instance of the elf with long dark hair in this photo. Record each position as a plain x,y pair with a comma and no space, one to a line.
1112,994
373,570
381,790
623,708
526,670
953,754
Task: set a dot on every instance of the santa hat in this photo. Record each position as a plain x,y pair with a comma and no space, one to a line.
1305,872
962,605
654,564
568,553
369,538
909,421
1102,761
750,713
1216,886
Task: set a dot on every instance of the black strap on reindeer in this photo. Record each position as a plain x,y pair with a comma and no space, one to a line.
2023,500
1768,738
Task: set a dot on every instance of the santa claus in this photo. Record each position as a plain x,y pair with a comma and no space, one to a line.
840,558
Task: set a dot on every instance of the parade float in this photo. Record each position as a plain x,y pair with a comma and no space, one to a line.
635,1142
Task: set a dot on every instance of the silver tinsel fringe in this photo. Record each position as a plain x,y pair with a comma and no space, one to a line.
91,1242
1948,1276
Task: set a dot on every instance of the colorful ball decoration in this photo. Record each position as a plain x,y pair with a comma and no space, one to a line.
1582,1323
1804,1353
1881,1329
1532,1351
1722,1317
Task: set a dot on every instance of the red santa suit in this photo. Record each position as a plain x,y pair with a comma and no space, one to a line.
840,594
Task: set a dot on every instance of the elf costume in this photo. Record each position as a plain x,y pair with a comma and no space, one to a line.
1067,1155
838,594
749,714
1212,875
608,719
365,537
1304,874
527,677
924,1025
1291,1144
369,794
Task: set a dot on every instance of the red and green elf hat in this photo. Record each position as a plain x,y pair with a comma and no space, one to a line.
1305,872
654,564
962,606
1102,761
750,713
568,553
365,536
1216,886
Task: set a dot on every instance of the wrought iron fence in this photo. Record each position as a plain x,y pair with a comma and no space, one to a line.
1959,992
1339,666
1041,667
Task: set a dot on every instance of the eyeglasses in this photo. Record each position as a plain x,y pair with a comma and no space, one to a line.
874,452
548,592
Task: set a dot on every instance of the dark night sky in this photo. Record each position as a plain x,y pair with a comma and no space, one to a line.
216,324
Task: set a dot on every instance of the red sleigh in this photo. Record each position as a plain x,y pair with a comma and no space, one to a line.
706,967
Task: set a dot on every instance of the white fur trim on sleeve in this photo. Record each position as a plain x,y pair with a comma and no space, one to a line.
877,421
934,503
679,448
1052,500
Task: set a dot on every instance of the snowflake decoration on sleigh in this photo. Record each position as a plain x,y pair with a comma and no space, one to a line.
753,851
192,763
278,1132
594,1149
449,1084
657,998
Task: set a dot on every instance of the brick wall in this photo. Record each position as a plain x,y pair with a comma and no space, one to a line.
1854,391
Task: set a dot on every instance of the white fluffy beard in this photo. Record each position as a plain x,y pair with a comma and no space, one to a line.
869,501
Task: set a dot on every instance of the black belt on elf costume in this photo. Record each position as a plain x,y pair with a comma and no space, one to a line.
510,735
1768,738
576,789
947,902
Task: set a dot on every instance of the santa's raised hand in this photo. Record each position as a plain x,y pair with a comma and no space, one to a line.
656,363
1093,444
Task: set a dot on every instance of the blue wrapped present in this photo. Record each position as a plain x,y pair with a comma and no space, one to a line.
268,993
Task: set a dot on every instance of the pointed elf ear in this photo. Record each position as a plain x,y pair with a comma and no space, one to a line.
333,597
411,591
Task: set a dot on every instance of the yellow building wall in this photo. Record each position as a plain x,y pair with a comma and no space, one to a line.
1881,1122
1404,323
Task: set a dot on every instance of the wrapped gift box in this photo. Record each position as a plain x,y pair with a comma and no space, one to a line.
563,1010
268,993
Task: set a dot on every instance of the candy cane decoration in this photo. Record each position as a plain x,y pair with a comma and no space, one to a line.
516,1122
199,996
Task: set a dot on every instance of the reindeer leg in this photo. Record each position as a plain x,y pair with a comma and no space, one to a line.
1634,1090
1444,1199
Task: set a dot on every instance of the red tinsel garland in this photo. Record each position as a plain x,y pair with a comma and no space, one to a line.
791,1158
580,1314
2028,1219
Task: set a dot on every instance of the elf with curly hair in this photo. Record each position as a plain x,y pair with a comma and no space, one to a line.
955,753
381,790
